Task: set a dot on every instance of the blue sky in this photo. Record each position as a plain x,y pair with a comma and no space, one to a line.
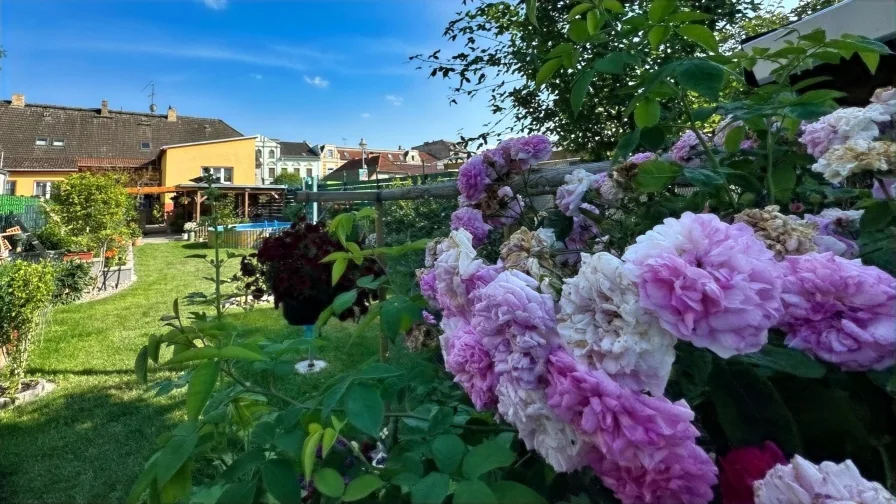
308,70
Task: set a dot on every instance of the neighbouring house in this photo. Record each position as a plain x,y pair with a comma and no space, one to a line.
276,156
43,144
444,151
3,178
381,166
332,157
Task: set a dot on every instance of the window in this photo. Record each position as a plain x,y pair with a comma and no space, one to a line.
330,153
297,170
309,172
272,172
271,153
58,142
258,153
41,141
9,187
42,189
224,175
145,145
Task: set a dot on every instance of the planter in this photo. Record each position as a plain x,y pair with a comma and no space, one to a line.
29,391
82,256
302,312
137,242
191,236
184,235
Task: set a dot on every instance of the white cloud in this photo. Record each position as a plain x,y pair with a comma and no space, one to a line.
188,51
256,76
317,81
215,4
365,115
395,100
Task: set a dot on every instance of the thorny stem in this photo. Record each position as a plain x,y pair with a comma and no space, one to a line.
883,187
768,169
713,161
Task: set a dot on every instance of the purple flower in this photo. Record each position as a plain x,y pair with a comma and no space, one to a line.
710,283
471,364
818,137
529,150
458,274
471,220
835,229
682,151
427,280
472,178
749,143
511,208
517,325
569,195
840,311
802,482
878,192
642,157
429,318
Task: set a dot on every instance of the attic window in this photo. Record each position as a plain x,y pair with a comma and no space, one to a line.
145,145
42,141
390,156
58,142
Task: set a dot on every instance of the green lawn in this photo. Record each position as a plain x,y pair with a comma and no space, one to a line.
87,441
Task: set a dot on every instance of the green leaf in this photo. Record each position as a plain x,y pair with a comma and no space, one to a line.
594,21
627,143
154,345
178,487
655,176
613,63
849,44
687,16
431,490
561,50
243,464
816,36
194,354
871,60
290,442
660,9
734,138
329,482
579,10
547,70
173,456
511,492
281,481
653,138
485,457
238,493
647,113
338,269
701,35
613,6
364,408
328,440
473,492
448,451
578,31
657,35
749,409
143,483
141,363
344,300
531,11
818,95
701,114
877,216
785,360
201,386
334,256
702,77
704,179
580,89
241,353
309,451
784,180
361,487
379,370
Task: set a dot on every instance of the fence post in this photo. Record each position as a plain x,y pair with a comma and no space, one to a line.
380,229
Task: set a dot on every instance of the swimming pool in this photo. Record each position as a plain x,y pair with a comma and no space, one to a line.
245,235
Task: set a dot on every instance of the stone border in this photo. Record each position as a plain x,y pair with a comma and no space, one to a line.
42,388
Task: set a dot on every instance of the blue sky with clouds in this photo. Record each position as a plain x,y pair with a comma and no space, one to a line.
310,70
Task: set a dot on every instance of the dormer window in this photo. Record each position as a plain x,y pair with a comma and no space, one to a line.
145,145
41,141
58,142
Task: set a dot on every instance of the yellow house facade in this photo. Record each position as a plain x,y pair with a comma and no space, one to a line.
231,160
33,183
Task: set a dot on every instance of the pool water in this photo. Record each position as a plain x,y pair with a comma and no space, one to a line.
245,235
257,225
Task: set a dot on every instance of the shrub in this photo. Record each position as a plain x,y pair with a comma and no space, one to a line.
26,292
289,179
72,278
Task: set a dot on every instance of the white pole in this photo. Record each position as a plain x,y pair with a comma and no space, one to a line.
314,205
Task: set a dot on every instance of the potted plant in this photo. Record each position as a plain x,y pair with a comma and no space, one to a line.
78,247
301,285
136,234
190,231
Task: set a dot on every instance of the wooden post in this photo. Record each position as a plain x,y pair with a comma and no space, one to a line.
246,204
198,203
380,230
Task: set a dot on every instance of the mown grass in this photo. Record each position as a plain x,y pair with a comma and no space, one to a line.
88,440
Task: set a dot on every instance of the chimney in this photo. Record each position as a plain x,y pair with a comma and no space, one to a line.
104,108
18,100
172,113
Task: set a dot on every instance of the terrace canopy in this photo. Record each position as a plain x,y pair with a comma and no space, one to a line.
194,192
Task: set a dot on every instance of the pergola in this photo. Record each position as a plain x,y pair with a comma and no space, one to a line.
195,191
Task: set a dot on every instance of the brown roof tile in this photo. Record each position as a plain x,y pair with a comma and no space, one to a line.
23,163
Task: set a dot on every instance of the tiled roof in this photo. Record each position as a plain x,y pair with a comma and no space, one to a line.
26,163
88,134
382,164
296,149
88,162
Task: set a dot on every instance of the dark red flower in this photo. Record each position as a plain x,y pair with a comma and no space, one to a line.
743,466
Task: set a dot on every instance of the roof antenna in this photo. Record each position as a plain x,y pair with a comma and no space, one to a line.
344,141
151,96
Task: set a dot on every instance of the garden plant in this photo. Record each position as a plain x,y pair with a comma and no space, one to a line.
711,320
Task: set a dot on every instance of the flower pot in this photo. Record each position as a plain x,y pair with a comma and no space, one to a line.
185,235
191,236
81,256
137,242
302,312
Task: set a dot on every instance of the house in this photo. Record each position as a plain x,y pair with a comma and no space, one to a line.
333,156
444,151
3,176
42,144
275,156
380,166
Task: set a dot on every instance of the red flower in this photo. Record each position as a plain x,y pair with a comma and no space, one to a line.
742,466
